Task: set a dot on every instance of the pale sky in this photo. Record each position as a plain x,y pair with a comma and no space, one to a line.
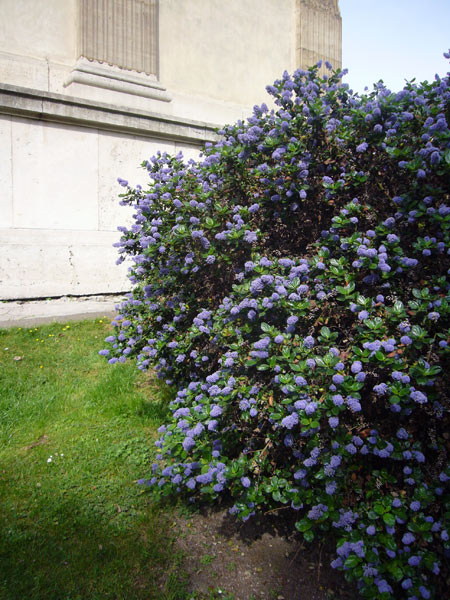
394,40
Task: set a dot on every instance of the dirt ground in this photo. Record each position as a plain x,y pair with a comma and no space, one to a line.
262,559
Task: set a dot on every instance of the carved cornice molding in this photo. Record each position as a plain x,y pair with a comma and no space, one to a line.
57,108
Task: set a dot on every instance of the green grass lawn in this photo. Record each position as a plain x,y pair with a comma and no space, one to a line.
75,435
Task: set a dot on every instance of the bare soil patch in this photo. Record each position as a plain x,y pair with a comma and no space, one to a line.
262,559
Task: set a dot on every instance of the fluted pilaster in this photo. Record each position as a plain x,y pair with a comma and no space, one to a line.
319,32
123,33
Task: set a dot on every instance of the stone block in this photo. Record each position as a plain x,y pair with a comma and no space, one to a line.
23,70
6,193
45,263
39,29
226,54
121,155
55,173
188,151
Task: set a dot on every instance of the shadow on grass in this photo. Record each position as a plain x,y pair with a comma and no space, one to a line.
121,392
65,550
156,409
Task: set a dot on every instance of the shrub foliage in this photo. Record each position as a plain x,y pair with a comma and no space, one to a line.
292,285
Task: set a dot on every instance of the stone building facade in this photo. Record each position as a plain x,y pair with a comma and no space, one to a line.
91,88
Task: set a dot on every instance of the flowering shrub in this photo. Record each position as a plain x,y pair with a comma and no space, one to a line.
293,287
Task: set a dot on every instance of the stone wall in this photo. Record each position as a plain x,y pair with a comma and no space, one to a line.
59,196
91,88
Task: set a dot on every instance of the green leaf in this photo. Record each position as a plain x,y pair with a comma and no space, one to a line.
309,536
398,306
325,332
389,519
303,525
265,327
297,368
350,287
396,571
394,399
290,388
276,416
379,508
388,542
417,331
352,561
